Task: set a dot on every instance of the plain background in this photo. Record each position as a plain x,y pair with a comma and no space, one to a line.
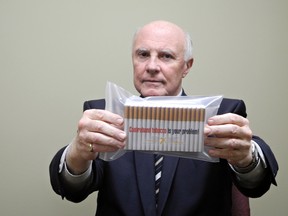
56,54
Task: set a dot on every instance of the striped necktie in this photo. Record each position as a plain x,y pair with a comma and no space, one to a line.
158,170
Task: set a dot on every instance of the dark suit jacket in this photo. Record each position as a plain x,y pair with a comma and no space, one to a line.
188,187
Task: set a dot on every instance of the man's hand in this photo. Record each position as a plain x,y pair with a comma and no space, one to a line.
230,135
98,131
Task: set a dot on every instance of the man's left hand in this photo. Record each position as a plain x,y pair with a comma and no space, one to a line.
230,136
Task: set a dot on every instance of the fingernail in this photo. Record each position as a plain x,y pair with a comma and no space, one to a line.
121,146
122,135
207,130
210,121
119,121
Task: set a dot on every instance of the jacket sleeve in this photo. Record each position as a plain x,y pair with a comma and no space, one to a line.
270,172
238,107
58,184
68,192
54,173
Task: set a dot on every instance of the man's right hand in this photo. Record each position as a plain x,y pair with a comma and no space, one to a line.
98,131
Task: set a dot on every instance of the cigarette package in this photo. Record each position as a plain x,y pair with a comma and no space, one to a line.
170,125
162,125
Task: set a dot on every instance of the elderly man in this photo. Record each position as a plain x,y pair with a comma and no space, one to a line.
162,57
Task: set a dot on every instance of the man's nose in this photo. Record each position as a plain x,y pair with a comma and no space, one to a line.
153,65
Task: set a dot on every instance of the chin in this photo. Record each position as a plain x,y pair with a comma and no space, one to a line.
152,92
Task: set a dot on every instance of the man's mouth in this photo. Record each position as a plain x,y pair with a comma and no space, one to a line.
152,81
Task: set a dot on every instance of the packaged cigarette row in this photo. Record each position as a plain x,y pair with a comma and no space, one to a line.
165,113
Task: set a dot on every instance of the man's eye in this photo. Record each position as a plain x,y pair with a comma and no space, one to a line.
143,54
166,56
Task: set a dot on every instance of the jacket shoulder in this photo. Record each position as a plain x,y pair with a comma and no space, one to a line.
94,104
229,105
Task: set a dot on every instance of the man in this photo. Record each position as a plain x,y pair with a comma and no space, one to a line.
162,57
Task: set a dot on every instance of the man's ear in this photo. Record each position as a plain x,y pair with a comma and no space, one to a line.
189,64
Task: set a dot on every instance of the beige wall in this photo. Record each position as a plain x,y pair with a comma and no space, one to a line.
56,54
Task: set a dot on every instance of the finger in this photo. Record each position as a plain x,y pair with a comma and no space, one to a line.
101,139
227,143
101,121
229,131
109,130
110,138
230,155
104,148
104,115
228,118
235,151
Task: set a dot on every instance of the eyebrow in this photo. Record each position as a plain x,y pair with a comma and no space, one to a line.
168,51
141,49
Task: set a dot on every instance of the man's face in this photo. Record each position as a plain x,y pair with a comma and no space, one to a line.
158,61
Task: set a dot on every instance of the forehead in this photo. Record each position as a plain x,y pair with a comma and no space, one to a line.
159,38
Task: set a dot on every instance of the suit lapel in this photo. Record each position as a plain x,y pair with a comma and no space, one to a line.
144,165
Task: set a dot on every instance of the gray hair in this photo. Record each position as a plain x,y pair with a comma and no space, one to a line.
188,50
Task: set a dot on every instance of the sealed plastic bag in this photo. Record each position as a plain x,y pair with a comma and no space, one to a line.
170,125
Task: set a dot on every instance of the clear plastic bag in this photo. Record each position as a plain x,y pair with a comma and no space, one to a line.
170,125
